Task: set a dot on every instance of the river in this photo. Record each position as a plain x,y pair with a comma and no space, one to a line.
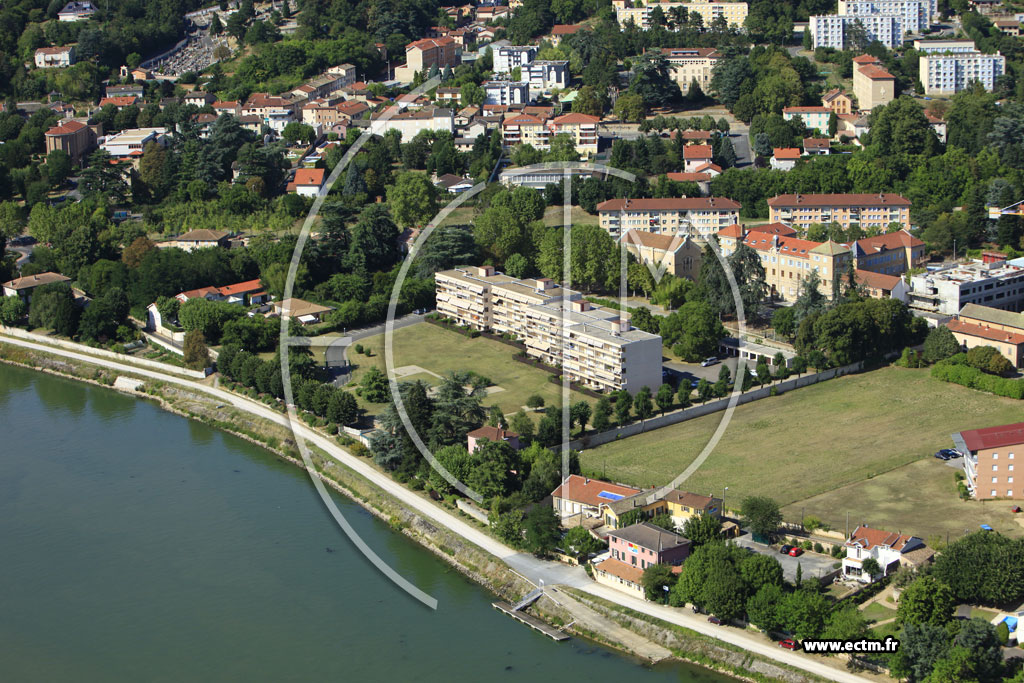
141,546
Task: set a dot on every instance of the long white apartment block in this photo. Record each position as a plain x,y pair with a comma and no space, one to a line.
914,15
832,30
593,345
943,46
947,74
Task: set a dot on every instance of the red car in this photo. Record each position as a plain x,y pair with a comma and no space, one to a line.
796,552
715,620
788,643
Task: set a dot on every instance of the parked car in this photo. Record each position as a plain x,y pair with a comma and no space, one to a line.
796,552
784,550
947,454
708,361
941,455
1015,508
715,620
788,643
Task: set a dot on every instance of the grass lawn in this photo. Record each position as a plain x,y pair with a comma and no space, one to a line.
876,611
845,432
986,614
439,351
553,216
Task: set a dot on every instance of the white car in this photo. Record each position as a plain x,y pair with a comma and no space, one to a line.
708,361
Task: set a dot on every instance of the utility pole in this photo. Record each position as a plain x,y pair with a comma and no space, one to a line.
847,523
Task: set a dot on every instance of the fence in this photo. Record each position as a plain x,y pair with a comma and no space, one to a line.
684,414
92,351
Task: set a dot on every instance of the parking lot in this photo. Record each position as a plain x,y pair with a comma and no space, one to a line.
812,564
694,371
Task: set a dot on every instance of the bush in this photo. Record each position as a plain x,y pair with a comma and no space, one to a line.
988,359
358,348
956,371
819,548
535,401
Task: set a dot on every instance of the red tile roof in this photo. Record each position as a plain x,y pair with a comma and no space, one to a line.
786,153
689,177
788,246
241,288
985,332
868,538
67,128
670,204
522,120
492,433
734,230
774,229
428,43
697,152
565,29
874,280
620,569
574,118
994,437
900,239
587,491
118,101
876,73
881,199
865,59
817,143
806,110
307,177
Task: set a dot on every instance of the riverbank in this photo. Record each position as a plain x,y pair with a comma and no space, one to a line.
464,556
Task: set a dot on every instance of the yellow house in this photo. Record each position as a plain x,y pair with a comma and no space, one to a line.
682,505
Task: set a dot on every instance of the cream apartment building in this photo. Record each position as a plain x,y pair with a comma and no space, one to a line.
594,346
867,210
626,11
873,86
789,260
696,217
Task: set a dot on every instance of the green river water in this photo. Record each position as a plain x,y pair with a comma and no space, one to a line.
140,546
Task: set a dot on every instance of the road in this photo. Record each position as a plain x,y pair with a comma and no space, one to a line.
539,572
336,355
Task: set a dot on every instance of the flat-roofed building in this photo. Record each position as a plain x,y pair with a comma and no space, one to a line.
593,345
990,459
696,217
513,57
833,30
948,74
506,92
130,143
945,46
546,74
985,326
867,210
947,291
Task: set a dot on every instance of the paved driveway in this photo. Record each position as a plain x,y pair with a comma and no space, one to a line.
694,371
812,564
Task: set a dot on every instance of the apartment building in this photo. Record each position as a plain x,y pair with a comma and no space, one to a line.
788,260
915,15
679,256
990,459
512,57
506,92
55,57
873,86
322,113
695,217
644,544
891,253
945,46
582,128
524,129
832,30
947,291
815,118
867,210
984,326
687,65
545,75
947,74
420,55
594,346
629,11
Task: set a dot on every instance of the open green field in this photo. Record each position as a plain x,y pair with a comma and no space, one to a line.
437,350
878,612
845,445
553,215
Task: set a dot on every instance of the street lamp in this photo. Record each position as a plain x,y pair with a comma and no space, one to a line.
724,491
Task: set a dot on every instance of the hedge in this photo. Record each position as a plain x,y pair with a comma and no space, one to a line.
976,379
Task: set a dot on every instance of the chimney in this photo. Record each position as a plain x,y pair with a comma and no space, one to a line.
775,241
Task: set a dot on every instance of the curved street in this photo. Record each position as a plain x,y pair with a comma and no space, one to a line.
540,572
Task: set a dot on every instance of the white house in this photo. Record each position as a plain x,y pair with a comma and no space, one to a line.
76,11
506,92
785,158
307,182
888,549
512,56
55,57
131,142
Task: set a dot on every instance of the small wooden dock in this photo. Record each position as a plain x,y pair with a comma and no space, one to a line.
531,621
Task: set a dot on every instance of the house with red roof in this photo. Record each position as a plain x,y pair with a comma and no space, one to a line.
812,117
307,181
695,156
784,158
119,102
476,438
74,137
55,57
560,32
889,549
892,253
990,455
578,495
